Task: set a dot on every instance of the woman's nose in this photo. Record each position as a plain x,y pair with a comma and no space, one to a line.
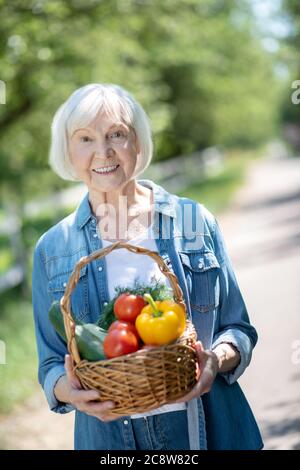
104,151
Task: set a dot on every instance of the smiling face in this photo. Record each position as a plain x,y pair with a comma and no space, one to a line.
104,154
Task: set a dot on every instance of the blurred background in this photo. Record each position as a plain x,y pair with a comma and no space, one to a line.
220,81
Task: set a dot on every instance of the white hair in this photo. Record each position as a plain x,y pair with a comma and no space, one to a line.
81,108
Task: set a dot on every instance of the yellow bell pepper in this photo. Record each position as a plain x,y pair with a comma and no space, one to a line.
160,322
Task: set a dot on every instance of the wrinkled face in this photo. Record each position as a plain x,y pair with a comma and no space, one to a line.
104,154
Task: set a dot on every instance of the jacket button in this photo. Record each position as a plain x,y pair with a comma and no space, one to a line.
125,422
65,284
201,264
105,303
95,235
100,268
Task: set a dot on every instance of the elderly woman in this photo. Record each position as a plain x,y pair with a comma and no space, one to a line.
101,137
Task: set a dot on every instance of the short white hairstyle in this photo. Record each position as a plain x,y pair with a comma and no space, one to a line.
80,109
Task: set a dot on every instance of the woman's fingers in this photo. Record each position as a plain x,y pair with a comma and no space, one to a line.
205,374
199,351
82,397
68,366
100,408
86,400
199,346
102,411
72,379
97,409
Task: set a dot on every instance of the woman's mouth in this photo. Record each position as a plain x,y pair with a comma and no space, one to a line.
107,170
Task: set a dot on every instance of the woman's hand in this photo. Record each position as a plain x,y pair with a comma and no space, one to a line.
208,368
84,400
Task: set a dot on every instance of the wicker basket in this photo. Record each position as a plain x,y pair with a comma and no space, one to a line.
143,380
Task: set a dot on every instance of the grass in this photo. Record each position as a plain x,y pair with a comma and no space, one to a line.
19,373
216,192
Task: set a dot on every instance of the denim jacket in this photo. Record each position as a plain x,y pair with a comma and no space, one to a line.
189,239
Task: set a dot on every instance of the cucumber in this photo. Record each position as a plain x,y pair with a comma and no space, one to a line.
89,337
57,320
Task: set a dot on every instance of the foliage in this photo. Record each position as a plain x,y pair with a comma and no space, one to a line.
190,63
290,112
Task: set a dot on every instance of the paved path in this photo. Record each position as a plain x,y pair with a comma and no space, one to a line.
262,231
33,426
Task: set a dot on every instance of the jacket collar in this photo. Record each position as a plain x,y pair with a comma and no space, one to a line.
164,202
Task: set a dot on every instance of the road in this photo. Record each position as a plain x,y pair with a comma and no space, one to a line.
262,231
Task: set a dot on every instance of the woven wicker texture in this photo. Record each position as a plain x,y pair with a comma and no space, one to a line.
143,380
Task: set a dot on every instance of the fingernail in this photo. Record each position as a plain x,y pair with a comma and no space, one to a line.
110,405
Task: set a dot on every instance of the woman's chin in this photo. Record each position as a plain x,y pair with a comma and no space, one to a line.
107,182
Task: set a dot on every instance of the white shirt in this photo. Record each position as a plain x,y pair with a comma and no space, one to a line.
144,269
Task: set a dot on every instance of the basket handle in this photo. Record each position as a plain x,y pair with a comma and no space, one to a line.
65,301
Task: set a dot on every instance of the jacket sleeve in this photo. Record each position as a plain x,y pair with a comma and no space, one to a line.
51,348
233,322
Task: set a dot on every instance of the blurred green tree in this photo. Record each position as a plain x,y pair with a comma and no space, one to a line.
290,110
194,64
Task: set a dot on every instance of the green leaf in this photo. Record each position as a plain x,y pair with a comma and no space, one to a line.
158,290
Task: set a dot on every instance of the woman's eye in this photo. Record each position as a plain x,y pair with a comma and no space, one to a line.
85,138
116,135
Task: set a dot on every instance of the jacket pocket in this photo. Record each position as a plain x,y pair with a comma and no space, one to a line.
79,297
202,274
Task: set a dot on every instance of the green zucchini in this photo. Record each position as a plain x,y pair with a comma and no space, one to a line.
89,337
57,320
